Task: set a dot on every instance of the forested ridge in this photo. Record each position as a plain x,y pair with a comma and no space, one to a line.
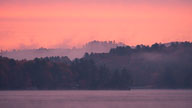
156,66
53,73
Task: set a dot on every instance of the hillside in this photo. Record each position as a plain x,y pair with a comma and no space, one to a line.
156,66
93,46
160,66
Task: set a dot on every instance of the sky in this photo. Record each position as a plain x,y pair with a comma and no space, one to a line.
26,24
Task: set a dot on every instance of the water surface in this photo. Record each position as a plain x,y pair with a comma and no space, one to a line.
97,99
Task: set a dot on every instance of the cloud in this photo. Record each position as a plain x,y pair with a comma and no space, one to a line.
93,1
5,34
64,44
29,46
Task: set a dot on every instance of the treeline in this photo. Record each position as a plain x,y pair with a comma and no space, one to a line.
60,73
157,66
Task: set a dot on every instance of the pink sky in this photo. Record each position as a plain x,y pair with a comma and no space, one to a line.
38,23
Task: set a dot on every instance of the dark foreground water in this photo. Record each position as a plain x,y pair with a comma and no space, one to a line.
97,99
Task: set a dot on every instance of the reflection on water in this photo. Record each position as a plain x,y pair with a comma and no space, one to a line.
97,99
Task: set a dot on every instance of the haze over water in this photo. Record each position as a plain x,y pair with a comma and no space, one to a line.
97,99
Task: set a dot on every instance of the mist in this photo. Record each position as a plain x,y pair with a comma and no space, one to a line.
72,53
159,65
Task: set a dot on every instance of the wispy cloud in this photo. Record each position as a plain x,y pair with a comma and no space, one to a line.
94,1
58,23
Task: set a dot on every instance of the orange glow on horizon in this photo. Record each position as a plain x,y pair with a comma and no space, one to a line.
67,25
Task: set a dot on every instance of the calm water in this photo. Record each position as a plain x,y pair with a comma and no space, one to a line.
97,99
